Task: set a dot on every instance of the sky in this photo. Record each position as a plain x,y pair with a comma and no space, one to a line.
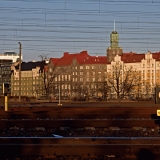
52,27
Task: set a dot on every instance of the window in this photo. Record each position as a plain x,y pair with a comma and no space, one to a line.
81,67
74,79
58,77
99,79
62,77
92,86
65,77
87,67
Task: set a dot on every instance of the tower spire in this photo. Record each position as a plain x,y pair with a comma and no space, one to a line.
114,26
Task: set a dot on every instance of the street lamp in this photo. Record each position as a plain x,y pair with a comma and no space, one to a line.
20,48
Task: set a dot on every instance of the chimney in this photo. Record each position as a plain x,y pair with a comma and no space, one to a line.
66,53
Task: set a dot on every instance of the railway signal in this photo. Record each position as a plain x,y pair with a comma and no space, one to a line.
5,91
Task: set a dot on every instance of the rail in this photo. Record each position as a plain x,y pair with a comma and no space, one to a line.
87,146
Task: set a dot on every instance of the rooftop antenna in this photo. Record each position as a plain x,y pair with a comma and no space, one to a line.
114,26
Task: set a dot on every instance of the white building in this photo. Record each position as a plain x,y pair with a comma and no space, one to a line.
10,55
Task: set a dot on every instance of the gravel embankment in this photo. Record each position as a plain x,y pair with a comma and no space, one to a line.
81,132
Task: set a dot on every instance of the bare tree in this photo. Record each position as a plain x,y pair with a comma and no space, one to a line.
122,80
79,90
51,74
149,90
138,89
103,89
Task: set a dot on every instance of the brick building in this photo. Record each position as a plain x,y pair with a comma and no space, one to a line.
82,75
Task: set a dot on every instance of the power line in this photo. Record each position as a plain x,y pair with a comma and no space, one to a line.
86,27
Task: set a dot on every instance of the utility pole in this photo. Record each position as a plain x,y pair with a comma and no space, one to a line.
20,48
59,104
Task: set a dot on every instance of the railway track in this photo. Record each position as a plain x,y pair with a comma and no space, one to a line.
78,148
81,123
86,147
79,112
80,117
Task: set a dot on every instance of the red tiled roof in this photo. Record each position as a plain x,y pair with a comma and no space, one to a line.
95,60
82,58
54,60
156,56
132,57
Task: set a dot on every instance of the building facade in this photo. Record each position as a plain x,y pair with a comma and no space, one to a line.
31,79
10,55
82,75
6,60
147,68
5,72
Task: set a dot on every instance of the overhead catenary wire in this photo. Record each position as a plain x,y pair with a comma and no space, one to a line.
76,28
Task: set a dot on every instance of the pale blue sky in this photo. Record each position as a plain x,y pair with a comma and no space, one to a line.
51,27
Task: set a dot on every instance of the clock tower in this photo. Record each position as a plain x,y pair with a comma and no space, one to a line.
114,48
